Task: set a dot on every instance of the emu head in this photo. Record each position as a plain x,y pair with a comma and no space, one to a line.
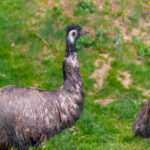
73,33
141,126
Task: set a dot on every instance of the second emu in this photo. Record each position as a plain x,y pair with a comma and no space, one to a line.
30,115
141,126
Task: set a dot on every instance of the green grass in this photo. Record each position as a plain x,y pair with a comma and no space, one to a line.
32,50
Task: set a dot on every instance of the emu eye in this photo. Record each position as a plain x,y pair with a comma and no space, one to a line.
73,33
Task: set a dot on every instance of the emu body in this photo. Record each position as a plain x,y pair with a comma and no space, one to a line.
30,115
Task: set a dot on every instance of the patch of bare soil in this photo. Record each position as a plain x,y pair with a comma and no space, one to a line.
135,32
65,5
121,22
91,93
98,3
113,4
118,23
104,101
102,67
139,61
145,35
145,24
145,92
127,35
124,78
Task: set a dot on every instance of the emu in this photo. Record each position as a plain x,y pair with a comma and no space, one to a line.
30,115
141,125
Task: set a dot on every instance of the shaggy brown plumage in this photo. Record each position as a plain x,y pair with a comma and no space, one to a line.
141,126
30,115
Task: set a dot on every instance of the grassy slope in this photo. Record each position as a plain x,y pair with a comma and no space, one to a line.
31,53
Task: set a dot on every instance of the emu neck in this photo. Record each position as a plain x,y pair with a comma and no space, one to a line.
70,48
71,70
72,101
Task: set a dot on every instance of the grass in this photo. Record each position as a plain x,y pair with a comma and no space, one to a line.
32,44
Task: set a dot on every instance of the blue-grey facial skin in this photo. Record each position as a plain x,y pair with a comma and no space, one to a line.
30,115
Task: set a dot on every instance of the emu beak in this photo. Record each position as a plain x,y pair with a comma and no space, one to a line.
82,32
